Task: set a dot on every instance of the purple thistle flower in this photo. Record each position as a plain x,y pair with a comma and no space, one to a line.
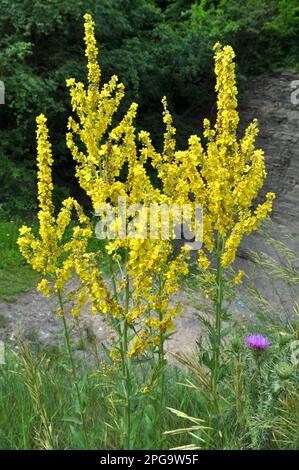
257,342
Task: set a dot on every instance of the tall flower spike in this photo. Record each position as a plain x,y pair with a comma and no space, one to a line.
227,115
44,164
91,52
225,176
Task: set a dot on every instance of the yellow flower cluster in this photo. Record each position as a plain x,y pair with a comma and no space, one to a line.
225,176
238,278
98,169
52,253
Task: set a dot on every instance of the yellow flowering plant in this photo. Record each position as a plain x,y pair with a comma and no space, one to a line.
144,272
224,176
49,252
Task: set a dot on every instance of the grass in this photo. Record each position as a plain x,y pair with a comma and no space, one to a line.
15,275
37,394
259,407
16,280
3,321
39,409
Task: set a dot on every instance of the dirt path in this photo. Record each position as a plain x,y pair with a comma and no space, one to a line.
33,317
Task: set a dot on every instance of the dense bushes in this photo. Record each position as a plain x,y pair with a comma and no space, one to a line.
156,48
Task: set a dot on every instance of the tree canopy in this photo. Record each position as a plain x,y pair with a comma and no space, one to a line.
156,47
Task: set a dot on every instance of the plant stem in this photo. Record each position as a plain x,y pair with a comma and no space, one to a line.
126,370
161,369
74,373
127,389
218,311
124,346
216,344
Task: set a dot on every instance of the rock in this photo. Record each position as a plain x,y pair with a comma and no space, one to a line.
268,98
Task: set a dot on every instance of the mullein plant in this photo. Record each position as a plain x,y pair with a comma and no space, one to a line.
144,272
224,176
61,248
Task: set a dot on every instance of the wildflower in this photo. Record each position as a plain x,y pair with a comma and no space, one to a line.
203,260
115,355
24,230
49,253
44,287
209,277
224,177
238,278
257,342
139,345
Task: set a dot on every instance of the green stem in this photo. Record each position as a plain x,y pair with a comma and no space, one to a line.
127,389
161,369
218,311
96,353
126,370
124,346
112,276
74,372
216,346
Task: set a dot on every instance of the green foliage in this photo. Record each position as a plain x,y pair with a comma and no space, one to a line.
43,410
259,406
15,275
156,47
